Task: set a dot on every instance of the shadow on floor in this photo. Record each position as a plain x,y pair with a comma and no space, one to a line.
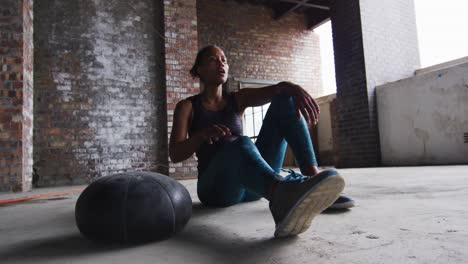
66,245
229,247
199,237
221,243
199,210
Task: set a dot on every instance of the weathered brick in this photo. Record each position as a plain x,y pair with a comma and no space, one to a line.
181,47
98,104
16,108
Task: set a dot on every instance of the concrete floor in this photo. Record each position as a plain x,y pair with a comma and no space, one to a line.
403,215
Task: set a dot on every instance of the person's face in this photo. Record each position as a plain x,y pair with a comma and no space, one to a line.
214,68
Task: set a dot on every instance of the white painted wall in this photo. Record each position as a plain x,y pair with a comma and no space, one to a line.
390,40
422,119
324,126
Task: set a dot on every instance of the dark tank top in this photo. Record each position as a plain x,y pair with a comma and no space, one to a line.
203,118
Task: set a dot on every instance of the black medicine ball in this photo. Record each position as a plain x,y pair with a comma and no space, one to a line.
133,207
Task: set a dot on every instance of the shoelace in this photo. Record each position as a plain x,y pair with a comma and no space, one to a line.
293,176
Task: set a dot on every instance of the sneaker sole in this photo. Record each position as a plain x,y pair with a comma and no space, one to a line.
311,204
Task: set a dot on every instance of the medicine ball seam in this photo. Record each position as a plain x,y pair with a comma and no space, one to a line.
172,205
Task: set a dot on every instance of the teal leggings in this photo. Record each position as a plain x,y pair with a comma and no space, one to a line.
240,171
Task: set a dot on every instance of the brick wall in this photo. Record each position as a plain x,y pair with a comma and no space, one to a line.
357,140
335,132
180,17
374,42
259,47
99,89
16,68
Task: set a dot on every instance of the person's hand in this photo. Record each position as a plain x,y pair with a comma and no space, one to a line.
303,102
213,133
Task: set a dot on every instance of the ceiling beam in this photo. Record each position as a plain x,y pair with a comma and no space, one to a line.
281,12
315,17
306,4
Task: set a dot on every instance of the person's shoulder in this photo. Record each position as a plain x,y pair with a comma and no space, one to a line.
189,100
192,97
184,105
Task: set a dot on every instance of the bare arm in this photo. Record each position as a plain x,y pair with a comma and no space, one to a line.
256,96
181,147
303,102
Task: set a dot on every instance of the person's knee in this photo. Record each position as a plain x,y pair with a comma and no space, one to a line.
244,140
282,101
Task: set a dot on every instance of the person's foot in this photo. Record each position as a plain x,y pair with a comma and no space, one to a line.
343,202
294,204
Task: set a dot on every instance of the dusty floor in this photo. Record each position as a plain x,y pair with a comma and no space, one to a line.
403,215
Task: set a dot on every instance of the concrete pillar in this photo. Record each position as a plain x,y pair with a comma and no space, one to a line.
374,42
16,94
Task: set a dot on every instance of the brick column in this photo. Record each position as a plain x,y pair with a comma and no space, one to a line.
180,18
99,105
374,42
16,94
